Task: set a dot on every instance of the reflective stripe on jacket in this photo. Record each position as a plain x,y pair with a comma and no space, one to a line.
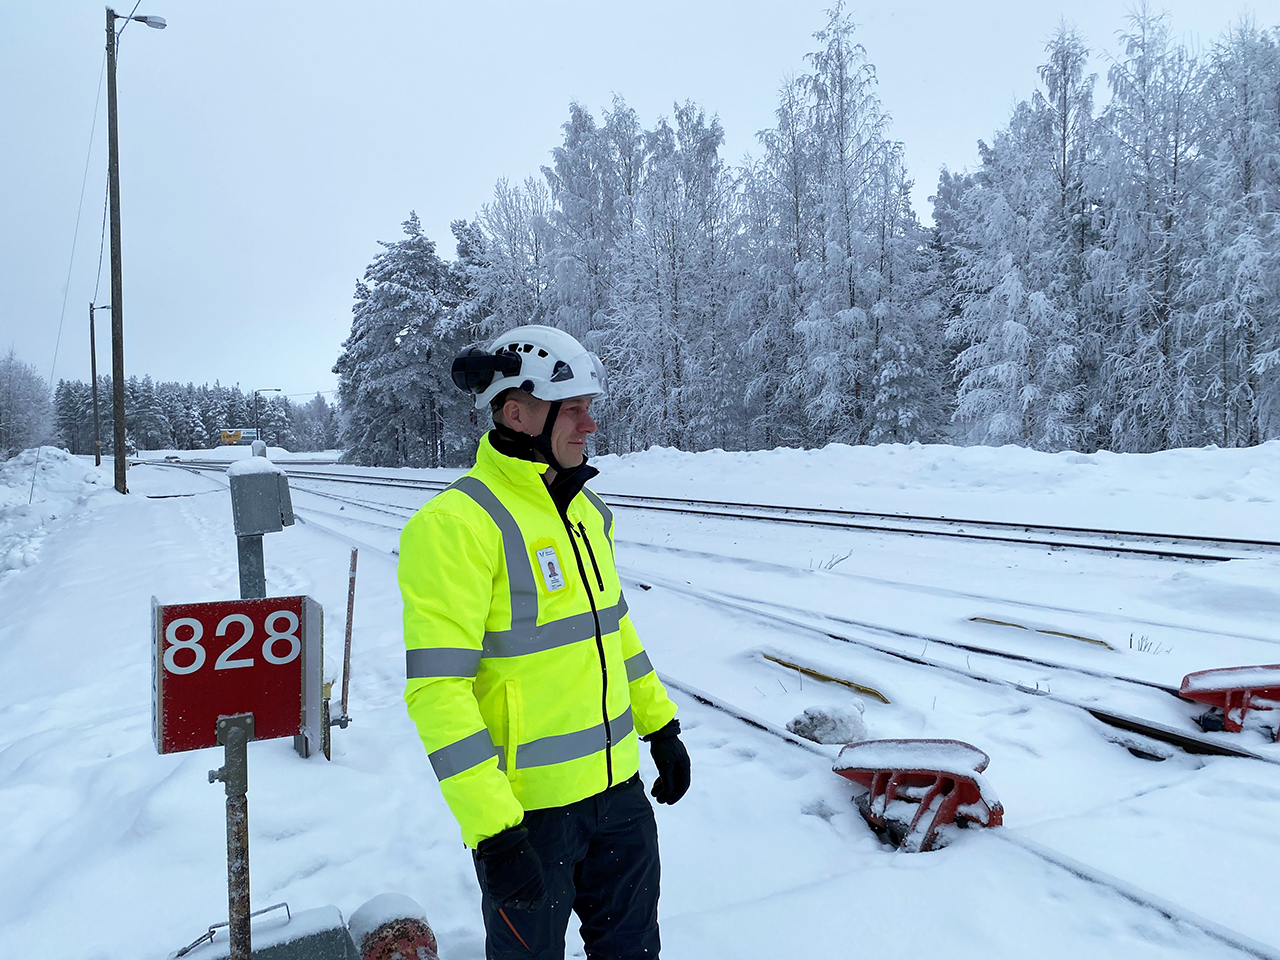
526,679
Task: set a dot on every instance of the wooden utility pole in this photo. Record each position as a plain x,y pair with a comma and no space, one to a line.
117,283
93,372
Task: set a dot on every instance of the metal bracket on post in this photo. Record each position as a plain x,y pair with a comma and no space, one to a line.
234,733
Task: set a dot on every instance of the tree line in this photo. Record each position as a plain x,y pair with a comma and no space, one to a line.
166,415
170,415
1102,279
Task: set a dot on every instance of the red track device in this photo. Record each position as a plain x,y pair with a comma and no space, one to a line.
1235,691
916,787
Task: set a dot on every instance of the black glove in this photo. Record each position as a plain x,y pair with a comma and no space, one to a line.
512,870
672,761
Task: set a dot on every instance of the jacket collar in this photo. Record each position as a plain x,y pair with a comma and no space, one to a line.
518,473
528,474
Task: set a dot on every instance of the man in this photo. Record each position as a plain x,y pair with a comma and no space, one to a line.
526,679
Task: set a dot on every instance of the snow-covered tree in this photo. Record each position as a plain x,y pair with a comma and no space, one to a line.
1148,236
1235,281
780,229
26,412
394,370
1020,378
514,281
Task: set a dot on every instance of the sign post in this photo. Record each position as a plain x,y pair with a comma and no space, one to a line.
234,733
226,673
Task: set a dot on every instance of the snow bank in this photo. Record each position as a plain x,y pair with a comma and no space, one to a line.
62,483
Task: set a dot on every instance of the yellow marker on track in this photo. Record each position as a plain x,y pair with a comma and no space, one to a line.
819,675
1052,633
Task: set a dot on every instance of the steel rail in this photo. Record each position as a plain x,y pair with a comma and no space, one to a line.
865,625
412,482
966,647
995,524
956,534
791,569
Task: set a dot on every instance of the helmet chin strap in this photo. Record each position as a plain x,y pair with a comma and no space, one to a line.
541,443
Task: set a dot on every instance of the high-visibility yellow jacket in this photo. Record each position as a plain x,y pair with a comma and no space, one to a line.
526,679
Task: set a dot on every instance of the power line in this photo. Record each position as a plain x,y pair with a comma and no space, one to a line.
102,241
75,236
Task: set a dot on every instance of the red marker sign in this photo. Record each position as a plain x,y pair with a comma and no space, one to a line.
208,660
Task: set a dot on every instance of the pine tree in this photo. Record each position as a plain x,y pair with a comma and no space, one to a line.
781,231
1235,282
1147,237
393,372
850,150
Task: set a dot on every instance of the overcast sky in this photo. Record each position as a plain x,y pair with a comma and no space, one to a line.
265,148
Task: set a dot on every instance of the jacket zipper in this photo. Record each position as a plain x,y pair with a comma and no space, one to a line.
592,554
604,670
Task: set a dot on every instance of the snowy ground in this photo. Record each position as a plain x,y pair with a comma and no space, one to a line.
113,851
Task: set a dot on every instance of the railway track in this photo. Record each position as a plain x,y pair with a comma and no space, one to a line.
402,513
1196,743
792,618
787,616
1182,547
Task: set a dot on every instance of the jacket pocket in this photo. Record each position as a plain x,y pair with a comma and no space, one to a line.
511,691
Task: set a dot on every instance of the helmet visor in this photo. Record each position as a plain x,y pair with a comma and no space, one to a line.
601,374
583,375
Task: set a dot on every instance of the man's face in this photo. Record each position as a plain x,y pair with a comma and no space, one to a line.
569,435
572,427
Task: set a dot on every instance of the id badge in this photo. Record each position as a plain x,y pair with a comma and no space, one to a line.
552,569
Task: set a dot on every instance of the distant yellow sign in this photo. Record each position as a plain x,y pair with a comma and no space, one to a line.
231,436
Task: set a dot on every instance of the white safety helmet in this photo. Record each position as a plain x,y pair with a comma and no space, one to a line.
542,361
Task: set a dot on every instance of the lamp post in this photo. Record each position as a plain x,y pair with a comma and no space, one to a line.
257,418
117,284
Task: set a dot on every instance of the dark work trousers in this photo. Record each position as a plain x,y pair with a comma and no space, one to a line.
600,858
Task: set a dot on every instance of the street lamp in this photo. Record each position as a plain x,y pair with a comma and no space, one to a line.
257,419
117,284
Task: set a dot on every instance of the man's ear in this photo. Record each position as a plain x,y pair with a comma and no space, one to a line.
512,413
518,415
